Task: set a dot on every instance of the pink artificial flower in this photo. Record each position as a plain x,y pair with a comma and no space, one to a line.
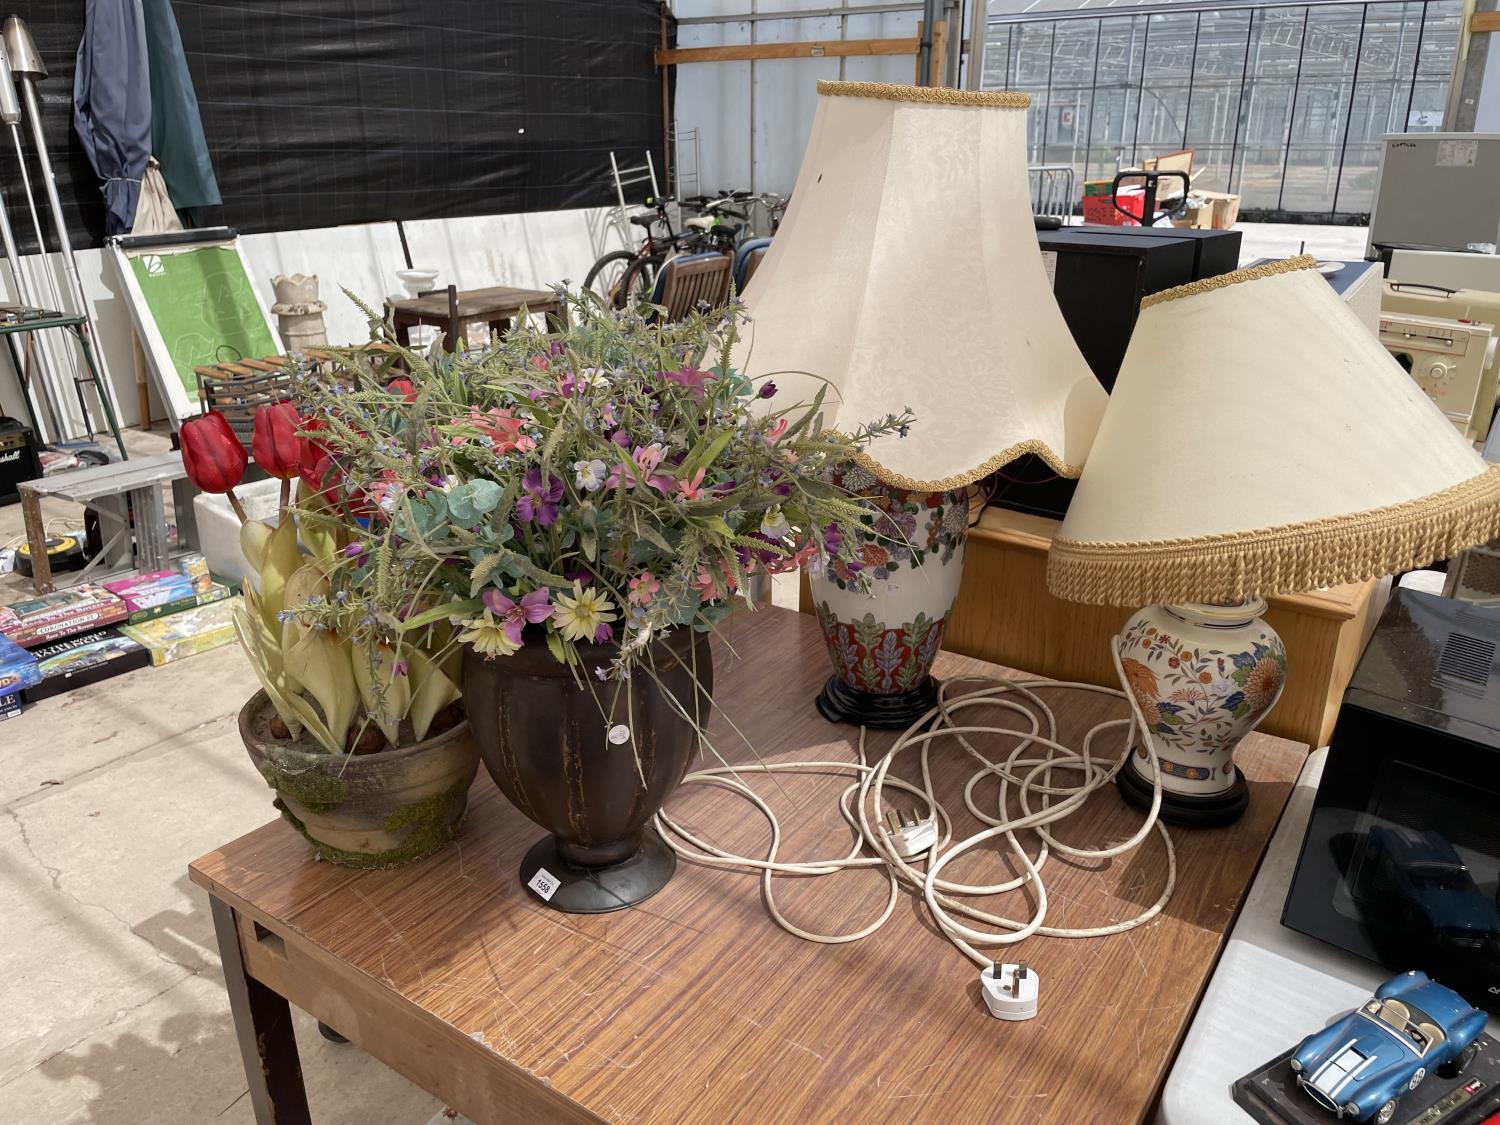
533,608
705,584
692,379
691,490
501,428
777,430
385,492
647,457
643,588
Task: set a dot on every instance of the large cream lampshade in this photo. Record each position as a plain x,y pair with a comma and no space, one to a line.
1259,440
906,274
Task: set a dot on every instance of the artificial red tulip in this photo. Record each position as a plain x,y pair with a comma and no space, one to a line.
213,456
275,444
314,462
404,387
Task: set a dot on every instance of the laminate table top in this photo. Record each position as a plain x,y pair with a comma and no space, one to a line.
694,1006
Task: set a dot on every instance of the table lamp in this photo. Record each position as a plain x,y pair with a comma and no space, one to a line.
906,274
1259,441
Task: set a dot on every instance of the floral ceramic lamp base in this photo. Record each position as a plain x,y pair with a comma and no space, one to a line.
1204,676
882,644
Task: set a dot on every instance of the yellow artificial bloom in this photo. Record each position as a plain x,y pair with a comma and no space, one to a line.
579,617
488,636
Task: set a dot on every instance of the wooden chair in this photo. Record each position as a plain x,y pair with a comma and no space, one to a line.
747,260
688,281
235,389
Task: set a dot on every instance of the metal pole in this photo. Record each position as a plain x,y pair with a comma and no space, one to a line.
70,265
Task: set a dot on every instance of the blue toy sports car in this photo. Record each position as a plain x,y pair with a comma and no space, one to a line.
1361,1065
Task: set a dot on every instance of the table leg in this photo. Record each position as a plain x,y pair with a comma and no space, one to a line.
263,1026
36,539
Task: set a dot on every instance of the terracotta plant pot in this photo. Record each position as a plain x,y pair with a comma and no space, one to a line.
373,810
591,762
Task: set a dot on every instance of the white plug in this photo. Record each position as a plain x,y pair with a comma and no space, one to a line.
1010,991
909,835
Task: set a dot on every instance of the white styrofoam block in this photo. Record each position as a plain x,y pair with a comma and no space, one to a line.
219,527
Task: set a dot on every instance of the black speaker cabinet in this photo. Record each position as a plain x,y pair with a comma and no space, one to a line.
1099,276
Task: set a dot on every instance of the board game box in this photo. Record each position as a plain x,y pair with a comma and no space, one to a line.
184,634
215,593
48,617
10,705
84,659
17,669
147,591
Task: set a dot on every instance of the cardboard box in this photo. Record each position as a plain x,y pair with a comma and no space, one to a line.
1098,206
154,588
85,659
1210,210
49,617
215,593
185,634
18,669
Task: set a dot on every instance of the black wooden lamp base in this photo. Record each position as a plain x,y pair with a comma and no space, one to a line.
1179,808
840,703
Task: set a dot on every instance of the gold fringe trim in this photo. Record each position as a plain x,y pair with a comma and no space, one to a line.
939,95
1289,559
1254,273
979,472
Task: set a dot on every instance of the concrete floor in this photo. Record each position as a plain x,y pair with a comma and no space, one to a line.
113,1006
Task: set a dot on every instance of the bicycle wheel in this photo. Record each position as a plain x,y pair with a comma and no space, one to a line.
636,286
607,274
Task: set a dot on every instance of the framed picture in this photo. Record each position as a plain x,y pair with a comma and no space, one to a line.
192,304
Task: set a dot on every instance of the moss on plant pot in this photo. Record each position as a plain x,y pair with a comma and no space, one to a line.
373,810
431,822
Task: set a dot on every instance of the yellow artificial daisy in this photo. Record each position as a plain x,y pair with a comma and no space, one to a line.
579,617
488,636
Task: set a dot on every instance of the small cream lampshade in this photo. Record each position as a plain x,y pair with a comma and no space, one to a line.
1259,441
907,274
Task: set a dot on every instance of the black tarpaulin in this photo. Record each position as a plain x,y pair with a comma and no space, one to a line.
326,112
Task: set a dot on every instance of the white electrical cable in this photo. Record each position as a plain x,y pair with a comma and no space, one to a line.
1031,777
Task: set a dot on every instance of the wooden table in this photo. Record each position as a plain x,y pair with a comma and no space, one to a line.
452,310
694,1006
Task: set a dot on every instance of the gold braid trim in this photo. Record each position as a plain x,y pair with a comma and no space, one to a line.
979,472
1292,558
1254,273
939,95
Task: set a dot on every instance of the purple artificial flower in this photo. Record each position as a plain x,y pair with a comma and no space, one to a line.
767,389
620,438
604,634
538,500
533,608
692,379
400,668
832,539
357,552
567,386
555,348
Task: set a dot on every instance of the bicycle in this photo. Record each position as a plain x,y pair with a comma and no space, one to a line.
628,277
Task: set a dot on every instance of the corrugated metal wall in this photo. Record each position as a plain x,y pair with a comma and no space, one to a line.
753,118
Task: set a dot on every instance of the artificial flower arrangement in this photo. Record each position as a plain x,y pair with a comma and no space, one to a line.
351,686
601,486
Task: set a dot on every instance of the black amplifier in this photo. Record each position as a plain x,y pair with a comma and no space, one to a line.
18,459
1099,275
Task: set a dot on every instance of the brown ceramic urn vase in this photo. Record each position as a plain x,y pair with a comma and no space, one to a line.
591,760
